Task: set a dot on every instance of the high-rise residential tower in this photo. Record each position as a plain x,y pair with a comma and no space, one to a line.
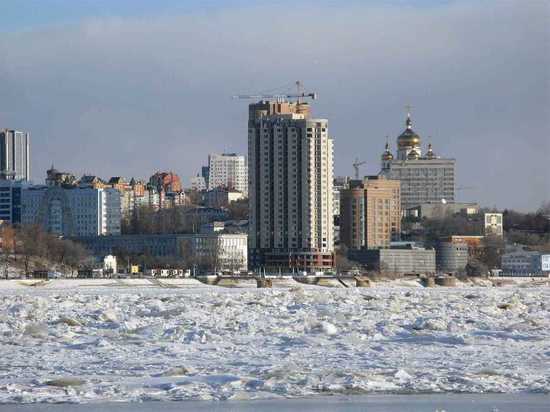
14,155
424,178
290,180
370,213
228,171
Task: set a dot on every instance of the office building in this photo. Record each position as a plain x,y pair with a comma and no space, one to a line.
72,211
290,188
397,261
14,155
205,172
339,183
10,201
228,171
370,213
424,178
198,183
520,262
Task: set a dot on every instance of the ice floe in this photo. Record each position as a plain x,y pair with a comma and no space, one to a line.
136,344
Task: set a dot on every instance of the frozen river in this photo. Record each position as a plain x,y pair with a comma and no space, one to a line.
82,345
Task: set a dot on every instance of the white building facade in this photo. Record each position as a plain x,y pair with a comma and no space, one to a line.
14,155
198,183
72,211
229,171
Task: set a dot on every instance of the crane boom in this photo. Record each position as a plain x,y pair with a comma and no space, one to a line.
278,97
356,165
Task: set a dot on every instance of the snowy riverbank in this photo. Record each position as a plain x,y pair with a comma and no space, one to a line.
131,343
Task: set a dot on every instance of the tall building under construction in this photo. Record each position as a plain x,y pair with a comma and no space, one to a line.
290,181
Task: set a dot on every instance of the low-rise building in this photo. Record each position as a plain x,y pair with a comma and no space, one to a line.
397,261
221,197
452,257
110,264
439,210
475,244
226,251
525,262
213,227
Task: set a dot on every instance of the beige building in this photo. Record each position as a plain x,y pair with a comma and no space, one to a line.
370,213
290,188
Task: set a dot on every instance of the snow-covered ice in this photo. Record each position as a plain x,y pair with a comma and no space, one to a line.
109,344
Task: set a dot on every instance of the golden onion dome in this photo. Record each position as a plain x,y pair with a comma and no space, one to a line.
430,153
387,154
408,138
413,155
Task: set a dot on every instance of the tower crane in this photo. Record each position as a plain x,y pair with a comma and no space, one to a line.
356,165
300,94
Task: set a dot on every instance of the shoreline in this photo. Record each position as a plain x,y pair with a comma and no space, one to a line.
526,402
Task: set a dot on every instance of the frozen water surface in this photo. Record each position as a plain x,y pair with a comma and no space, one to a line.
82,345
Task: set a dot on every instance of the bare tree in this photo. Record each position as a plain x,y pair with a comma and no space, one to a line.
493,248
8,242
32,245
189,257
211,256
343,262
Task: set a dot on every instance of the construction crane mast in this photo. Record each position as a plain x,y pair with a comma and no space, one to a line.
356,165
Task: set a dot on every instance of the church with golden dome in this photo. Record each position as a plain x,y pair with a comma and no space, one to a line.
424,178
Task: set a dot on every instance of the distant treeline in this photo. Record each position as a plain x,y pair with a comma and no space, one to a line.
35,249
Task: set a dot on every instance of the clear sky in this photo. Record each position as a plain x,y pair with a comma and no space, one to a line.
129,87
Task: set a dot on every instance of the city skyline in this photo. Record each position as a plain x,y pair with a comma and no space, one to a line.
94,89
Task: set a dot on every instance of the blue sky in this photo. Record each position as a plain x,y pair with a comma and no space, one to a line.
31,14
132,87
